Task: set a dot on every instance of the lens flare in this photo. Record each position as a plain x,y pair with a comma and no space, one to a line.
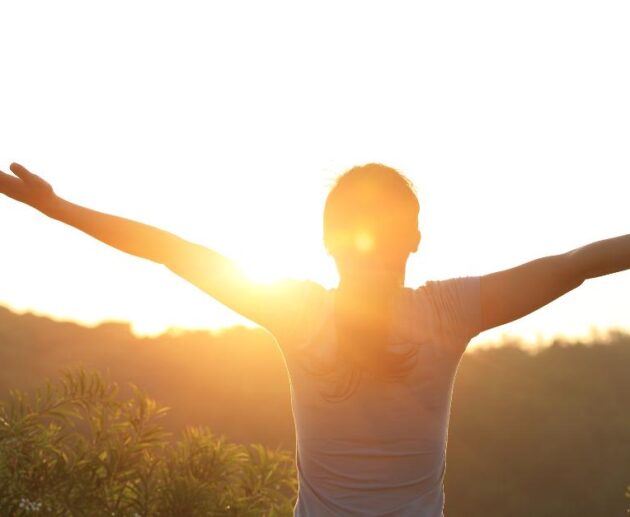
364,242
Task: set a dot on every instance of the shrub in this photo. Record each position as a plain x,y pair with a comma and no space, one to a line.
75,447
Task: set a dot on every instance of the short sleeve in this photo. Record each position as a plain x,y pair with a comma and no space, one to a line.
457,309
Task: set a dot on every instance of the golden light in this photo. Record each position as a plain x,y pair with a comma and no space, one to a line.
363,241
263,269
209,115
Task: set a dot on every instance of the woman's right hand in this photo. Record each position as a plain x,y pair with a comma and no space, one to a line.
27,188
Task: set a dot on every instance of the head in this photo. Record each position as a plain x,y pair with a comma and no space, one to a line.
370,229
371,220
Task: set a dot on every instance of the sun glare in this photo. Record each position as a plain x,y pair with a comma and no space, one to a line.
263,269
216,127
363,241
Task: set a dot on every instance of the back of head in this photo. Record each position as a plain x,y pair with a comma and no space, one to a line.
371,216
370,224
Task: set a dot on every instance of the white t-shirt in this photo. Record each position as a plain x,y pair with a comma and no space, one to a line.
382,451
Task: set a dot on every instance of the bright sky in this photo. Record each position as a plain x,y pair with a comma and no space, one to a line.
226,122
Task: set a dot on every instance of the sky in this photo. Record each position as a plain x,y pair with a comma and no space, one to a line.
226,123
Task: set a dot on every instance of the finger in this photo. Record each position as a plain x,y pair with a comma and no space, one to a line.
9,184
22,172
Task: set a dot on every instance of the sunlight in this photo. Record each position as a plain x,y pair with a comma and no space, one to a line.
224,152
263,269
363,241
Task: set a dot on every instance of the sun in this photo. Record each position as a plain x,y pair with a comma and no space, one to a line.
263,269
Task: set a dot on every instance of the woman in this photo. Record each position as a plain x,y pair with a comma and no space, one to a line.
371,362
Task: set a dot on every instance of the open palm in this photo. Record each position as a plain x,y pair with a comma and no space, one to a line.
26,187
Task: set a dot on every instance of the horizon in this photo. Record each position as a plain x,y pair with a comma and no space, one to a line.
595,334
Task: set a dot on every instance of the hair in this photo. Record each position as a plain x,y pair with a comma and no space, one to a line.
370,219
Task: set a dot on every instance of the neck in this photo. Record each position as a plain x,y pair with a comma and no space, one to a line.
371,280
356,277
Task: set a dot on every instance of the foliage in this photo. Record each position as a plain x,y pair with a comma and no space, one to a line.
544,433
532,432
76,447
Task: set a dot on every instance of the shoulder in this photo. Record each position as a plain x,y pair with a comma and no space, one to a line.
298,293
289,307
452,307
456,288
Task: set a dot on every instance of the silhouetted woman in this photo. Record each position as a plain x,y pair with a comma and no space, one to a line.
371,362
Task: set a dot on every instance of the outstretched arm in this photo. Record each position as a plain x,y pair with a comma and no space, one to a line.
513,293
210,271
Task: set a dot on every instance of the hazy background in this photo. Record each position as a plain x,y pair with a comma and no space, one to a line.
227,122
